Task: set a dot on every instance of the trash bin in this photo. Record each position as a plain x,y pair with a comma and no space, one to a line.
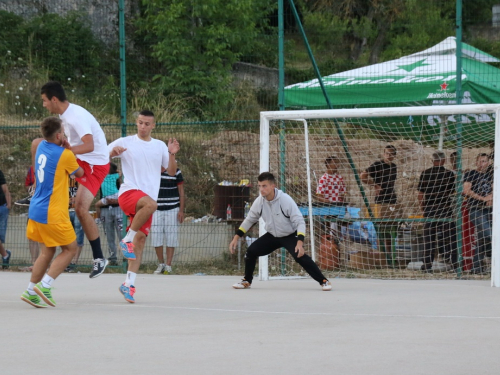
236,196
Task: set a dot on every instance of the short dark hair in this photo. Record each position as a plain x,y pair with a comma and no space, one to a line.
392,149
330,159
50,126
266,176
147,113
53,89
482,155
113,168
453,154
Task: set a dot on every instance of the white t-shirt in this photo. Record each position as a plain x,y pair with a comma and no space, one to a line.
141,164
78,122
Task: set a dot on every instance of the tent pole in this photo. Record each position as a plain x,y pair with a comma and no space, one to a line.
330,106
458,91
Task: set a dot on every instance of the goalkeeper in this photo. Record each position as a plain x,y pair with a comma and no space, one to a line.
285,227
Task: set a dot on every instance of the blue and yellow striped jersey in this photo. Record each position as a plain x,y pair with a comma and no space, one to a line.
53,165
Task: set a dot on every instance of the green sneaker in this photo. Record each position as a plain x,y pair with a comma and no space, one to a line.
45,294
34,301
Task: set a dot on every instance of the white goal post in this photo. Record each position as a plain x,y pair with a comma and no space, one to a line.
303,117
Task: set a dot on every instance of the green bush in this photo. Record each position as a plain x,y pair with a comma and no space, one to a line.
65,46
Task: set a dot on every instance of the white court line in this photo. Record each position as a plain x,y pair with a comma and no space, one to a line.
127,305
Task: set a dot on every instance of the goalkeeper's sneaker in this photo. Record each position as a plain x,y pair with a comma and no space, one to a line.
45,294
33,300
243,284
326,286
127,250
128,292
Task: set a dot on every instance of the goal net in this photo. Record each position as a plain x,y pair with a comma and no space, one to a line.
388,192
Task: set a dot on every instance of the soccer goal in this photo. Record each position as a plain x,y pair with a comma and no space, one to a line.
402,192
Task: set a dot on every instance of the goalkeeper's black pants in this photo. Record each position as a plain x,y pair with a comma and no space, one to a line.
266,244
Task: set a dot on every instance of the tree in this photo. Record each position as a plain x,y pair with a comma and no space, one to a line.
197,42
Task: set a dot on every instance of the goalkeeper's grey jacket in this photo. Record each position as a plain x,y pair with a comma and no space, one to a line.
281,215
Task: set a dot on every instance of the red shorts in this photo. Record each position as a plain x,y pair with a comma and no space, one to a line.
93,177
128,203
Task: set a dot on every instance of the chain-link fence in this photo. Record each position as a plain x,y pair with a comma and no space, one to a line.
207,68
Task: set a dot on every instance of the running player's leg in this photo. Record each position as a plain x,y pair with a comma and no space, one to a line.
84,198
140,207
62,260
83,201
42,263
145,206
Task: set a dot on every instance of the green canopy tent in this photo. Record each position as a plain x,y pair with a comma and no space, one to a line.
423,78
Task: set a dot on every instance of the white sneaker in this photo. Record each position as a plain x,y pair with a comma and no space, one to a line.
326,286
168,269
243,284
160,269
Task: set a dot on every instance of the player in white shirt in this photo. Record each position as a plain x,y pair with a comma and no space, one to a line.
142,159
86,140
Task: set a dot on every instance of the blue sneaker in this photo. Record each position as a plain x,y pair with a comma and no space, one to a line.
127,250
128,292
6,261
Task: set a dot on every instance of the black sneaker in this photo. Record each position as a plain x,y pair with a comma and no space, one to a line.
71,268
24,202
6,261
98,267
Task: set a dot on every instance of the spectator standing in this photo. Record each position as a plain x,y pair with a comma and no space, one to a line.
5,205
29,184
478,187
77,226
382,176
110,213
436,196
166,219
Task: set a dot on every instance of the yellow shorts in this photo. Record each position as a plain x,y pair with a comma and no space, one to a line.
51,235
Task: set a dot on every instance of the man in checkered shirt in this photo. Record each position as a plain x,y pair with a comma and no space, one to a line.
331,187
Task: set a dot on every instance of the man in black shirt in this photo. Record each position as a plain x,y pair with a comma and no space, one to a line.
478,187
382,175
436,193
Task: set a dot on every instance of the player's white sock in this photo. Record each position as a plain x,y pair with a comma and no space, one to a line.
129,237
47,281
31,291
130,279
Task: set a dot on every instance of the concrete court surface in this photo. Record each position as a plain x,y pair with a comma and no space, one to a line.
200,325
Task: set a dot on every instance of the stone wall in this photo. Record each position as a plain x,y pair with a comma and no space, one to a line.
102,14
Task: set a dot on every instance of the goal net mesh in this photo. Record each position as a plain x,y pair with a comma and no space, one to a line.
384,194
